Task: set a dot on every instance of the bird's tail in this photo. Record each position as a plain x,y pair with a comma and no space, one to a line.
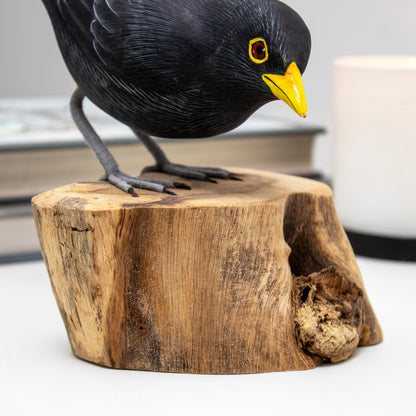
52,8
71,20
71,11
55,16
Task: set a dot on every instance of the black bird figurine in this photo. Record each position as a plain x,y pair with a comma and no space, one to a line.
178,69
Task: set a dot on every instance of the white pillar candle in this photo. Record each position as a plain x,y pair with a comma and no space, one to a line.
375,145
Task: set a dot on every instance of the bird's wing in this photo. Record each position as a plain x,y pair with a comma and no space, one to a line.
113,31
117,35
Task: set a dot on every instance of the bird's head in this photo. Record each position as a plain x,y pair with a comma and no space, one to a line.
245,52
270,44
285,83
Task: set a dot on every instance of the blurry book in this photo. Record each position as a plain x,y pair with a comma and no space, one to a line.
41,149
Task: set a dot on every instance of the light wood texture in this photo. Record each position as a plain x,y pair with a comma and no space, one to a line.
227,278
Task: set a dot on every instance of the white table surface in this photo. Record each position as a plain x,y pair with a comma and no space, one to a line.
39,374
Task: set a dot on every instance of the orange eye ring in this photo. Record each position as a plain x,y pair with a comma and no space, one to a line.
258,50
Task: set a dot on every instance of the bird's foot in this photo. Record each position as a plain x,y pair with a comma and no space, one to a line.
207,174
127,183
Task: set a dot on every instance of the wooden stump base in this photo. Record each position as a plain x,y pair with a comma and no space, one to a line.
234,277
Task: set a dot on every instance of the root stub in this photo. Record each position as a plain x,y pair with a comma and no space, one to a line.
329,314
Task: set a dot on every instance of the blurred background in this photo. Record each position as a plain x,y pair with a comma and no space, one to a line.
31,64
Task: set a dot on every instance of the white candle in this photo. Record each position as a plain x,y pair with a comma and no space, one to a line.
375,145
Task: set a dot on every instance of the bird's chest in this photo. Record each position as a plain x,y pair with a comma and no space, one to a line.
193,113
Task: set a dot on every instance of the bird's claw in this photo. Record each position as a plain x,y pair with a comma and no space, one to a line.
128,183
206,174
181,185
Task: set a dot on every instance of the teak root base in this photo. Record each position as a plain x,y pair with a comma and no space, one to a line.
234,277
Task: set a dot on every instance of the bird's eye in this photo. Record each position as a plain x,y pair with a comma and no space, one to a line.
258,50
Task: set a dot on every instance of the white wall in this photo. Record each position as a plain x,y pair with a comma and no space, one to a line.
30,63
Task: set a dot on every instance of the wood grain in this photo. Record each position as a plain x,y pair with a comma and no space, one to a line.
201,282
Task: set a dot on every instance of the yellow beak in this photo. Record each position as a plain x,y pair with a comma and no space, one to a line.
289,88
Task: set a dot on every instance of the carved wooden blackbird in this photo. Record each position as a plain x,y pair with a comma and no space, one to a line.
178,69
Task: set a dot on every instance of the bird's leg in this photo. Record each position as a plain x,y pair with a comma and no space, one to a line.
113,174
163,164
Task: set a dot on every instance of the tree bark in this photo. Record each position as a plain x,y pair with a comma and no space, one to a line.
235,277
